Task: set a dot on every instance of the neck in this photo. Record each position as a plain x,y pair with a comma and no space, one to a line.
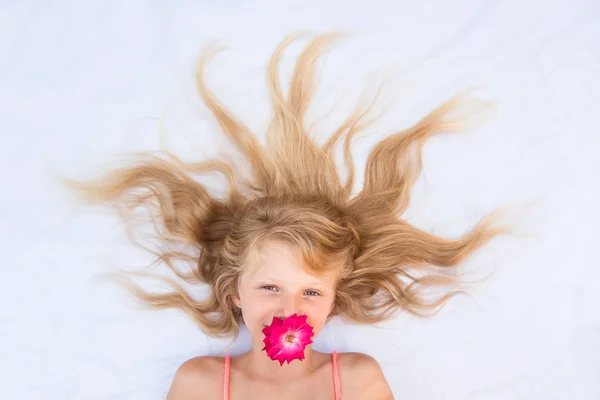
265,368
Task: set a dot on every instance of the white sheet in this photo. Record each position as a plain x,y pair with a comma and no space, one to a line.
78,80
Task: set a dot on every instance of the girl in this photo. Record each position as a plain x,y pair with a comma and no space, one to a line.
291,240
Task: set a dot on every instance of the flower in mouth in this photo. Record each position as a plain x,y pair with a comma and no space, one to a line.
286,339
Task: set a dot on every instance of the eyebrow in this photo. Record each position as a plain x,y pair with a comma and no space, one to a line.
315,284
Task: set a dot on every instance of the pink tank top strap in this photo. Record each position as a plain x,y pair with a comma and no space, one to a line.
226,378
336,376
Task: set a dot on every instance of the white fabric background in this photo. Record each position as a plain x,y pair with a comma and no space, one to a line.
83,80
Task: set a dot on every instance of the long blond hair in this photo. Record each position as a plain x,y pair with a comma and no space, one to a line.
296,195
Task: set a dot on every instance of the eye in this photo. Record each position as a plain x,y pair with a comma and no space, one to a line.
269,287
312,293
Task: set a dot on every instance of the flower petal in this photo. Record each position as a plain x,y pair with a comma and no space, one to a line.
277,341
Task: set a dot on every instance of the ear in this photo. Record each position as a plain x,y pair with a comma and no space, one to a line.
236,301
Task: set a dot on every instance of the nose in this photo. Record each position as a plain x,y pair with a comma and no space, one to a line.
288,305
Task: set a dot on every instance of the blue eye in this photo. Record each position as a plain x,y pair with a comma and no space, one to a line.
270,288
312,293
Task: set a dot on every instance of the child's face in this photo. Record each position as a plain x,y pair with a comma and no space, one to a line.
276,284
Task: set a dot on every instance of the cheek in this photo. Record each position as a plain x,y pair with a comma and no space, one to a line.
317,314
256,311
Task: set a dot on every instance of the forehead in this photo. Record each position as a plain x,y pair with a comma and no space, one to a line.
279,260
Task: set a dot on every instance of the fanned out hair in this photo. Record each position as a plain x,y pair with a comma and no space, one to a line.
294,195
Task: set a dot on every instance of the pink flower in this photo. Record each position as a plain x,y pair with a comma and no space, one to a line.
286,339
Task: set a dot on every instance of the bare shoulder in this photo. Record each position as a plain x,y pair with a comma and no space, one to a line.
198,378
361,377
